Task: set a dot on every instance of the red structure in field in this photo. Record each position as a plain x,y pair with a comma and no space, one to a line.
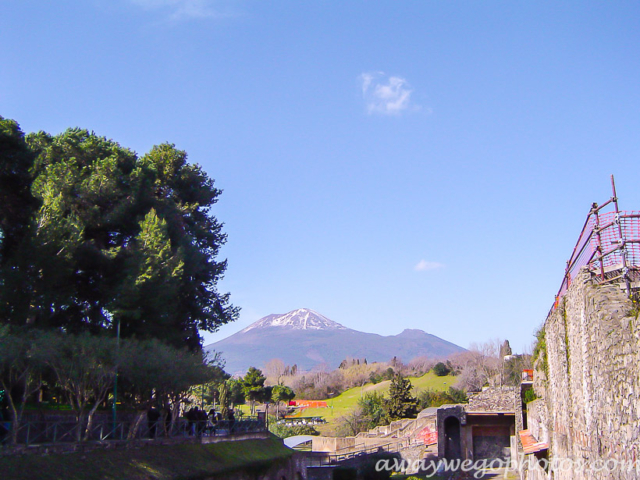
308,403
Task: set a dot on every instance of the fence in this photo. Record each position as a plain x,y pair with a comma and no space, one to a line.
320,459
63,431
608,245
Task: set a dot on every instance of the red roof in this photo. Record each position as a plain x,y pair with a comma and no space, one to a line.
530,443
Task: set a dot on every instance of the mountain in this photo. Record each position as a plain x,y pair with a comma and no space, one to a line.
301,319
307,338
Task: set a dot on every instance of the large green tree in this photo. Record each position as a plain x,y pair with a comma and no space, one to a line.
400,404
84,366
281,393
20,370
17,205
253,387
152,372
93,235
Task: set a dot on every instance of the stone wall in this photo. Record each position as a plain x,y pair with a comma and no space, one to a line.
332,444
494,399
589,390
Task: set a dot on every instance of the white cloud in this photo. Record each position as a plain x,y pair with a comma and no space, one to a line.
387,95
423,266
181,9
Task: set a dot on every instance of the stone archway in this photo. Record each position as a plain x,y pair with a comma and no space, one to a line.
452,446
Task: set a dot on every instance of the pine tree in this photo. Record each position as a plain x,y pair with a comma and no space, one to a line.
400,404
253,387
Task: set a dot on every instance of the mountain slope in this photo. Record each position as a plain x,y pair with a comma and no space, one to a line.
306,338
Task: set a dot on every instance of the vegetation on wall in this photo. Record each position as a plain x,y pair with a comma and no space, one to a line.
566,336
529,396
540,350
634,311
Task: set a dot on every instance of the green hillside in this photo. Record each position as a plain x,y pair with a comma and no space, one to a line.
346,401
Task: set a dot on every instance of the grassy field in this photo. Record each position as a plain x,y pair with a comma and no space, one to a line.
346,401
184,462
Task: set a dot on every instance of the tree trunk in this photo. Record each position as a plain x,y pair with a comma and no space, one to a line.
16,413
175,412
87,431
100,398
133,431
15,419
80,417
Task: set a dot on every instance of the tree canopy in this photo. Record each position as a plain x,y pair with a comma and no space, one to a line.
281,393
253,387
91,235
401,404
82,368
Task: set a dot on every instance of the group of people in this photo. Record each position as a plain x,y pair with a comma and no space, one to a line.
154,420
200,422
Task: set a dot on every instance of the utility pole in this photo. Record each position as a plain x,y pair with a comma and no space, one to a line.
115,380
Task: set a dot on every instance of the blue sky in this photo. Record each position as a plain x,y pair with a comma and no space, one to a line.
389,164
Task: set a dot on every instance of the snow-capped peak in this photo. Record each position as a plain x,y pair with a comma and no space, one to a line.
300,319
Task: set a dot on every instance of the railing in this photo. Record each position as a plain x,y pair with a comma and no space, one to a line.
608,245
55,432
319,459
302,421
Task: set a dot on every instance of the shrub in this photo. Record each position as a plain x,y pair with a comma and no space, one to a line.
433,398
440,369
529,396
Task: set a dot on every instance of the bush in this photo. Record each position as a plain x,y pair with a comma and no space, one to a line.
440,369
458,395
529,396
432,398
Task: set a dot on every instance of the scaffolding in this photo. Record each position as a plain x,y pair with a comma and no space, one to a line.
608,246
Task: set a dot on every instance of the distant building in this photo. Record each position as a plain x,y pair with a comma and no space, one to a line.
482,429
